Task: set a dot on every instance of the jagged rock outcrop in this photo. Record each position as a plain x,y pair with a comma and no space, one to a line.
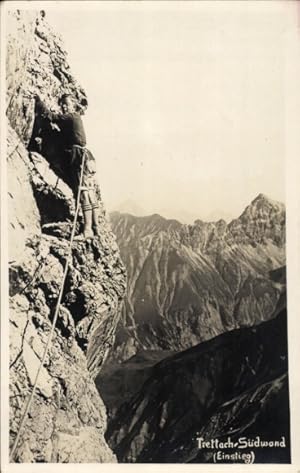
67,419
189,283
232,386
36,62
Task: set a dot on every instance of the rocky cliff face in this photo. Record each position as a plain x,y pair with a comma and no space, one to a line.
188,283
233,386
67,419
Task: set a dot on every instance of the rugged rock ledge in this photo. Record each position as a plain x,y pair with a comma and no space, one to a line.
67,419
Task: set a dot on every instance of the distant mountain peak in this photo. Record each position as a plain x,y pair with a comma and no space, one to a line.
259,203
263,198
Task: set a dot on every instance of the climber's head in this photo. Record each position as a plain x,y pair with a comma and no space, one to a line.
66,103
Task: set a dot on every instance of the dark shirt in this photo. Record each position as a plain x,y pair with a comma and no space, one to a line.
70,125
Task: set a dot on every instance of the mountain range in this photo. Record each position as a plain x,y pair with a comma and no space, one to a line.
201,347
189,283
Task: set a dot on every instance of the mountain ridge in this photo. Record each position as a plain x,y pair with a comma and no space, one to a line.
232,385
187,283
260,198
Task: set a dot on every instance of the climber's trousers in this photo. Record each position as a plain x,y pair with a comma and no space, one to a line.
88,199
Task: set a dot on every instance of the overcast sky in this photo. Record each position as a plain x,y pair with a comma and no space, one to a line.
186,102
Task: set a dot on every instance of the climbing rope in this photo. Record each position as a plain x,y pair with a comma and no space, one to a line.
48,344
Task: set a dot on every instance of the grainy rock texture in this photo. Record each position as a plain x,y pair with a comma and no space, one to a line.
67,419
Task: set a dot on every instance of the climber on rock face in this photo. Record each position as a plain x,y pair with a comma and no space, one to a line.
70,125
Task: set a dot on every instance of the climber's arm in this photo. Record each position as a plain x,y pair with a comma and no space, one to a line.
45,112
